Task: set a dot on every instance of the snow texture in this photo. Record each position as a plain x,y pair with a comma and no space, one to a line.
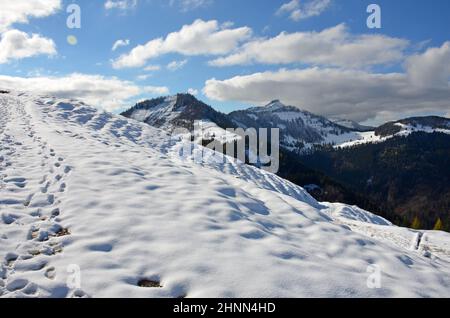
119,200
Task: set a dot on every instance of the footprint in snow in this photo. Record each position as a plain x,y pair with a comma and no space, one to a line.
78,293
16,284
101,247
50,273
10,258
9,218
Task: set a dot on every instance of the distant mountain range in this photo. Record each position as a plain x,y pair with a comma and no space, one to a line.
351,124
300,130
336,159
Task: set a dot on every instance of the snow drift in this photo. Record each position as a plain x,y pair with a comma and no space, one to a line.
94,204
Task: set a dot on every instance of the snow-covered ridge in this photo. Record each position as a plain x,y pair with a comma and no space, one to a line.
84,189
183,111
399,130
351,124
407,129
163,110
300,130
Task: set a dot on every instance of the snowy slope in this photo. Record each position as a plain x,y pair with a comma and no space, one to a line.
428,243
183,111
80,188
351,124
299,130
404,127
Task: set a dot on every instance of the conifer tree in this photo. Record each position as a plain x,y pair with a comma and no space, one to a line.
439,226
416,225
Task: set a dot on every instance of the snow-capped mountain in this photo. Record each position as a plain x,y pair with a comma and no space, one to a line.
114,207
299,129
409,125
404,127
180,110
353,125
183,111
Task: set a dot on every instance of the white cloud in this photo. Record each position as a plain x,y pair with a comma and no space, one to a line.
288,7
187,5
120,4
298,11
176,65
227,25
99,91
353,94
199,38
334,46
152,68
193,91
19,11
16,45
432,68
143,77
120,43
155,90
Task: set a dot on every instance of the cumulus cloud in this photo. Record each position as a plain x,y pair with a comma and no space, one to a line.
16,45
120,43
176,65
198,38
19,11
432,68
332,47
120,4
298,11
354,94
107,93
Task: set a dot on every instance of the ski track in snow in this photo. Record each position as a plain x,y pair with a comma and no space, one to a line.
115,198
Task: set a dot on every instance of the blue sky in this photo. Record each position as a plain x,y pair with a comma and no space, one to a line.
417,29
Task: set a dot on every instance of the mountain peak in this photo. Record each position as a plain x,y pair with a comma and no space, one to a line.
276,103
180,110
186,96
